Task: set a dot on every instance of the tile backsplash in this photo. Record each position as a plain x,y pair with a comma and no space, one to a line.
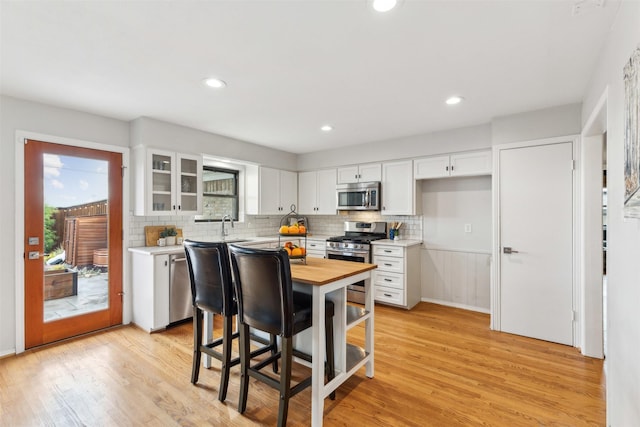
261,226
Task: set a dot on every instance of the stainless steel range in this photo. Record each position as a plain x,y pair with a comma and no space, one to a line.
355,246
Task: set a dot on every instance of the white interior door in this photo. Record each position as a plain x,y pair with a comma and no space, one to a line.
536,226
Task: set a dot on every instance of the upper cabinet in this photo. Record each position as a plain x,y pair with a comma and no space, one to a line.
399,193
166,183
360,173
461,164
317,192
271,191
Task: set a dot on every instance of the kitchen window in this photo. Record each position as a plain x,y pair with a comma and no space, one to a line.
220,197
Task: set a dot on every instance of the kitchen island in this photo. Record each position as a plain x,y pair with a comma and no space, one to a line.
327,278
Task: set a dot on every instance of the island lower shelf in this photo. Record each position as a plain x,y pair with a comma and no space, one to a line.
355,315
356,356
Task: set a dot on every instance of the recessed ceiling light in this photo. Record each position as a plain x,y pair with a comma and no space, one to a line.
214,82
384,5
326,128
453,100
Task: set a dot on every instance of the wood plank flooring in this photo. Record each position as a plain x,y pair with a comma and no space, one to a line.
434,366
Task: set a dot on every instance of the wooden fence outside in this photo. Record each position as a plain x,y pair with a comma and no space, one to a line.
87,209
85,239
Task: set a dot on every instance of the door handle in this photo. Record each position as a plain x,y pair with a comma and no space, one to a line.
508,250
35,255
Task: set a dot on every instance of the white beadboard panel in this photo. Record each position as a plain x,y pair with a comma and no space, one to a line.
459,278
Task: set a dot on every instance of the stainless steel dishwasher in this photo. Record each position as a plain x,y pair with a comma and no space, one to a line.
180,304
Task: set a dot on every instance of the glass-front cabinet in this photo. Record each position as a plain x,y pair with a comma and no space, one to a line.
166,183
189,179
162,183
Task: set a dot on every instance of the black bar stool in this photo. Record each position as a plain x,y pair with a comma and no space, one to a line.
212,290
267,302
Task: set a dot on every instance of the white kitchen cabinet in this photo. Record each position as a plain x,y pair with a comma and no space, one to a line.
317,192
150,291
316,248
271,191
368,172
398,188
166,183
460,164
397,278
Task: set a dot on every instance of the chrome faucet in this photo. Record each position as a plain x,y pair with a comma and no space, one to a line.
223,232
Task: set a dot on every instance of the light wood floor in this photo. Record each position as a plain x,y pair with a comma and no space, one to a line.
434,366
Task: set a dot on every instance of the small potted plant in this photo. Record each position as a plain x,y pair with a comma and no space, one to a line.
170,235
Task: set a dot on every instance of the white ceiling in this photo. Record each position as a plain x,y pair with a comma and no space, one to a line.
292,66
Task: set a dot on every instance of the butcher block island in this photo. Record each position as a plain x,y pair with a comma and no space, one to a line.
328,279
320,271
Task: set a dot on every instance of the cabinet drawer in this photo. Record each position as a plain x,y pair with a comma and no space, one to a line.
316,254
388,251
392,280
385,263
390,295
316,246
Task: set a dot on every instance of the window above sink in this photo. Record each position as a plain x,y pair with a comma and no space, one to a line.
220,194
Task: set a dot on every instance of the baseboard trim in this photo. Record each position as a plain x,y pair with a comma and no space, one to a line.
457,305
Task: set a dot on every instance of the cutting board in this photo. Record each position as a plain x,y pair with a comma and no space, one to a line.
152,233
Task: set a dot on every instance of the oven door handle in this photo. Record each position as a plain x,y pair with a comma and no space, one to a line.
352,253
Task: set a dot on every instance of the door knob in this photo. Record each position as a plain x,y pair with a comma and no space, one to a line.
508,250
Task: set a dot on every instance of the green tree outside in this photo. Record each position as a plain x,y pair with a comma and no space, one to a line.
50,236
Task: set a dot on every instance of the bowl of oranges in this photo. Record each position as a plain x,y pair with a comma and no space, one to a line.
294,229
294,251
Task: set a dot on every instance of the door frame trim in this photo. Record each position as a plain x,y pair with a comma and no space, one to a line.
495,190
21,136
592,315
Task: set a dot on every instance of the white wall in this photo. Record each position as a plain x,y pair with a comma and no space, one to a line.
455,264
623,236
449,204
38,118
450,141
169,136
547,123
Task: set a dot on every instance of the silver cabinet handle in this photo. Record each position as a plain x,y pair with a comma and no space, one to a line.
508,250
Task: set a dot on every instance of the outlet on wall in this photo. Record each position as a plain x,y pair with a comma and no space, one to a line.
467,228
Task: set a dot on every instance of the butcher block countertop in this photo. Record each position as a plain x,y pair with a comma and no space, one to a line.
320,271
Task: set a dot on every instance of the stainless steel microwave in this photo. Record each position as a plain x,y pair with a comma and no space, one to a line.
359,196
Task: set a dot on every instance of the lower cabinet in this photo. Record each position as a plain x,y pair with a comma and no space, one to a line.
316,248
397,278
150,291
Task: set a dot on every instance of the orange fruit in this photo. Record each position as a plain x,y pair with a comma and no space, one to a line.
288,251
302,229
293,229
303,251
288,245
296,252
284,230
